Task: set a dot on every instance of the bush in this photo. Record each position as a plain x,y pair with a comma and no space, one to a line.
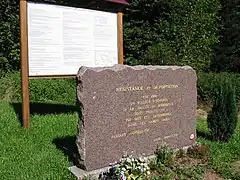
41,90
222,120
164,155
53,90
206,85
10,87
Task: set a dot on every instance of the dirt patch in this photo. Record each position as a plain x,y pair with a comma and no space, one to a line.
211,175
189,162
236,166
206,106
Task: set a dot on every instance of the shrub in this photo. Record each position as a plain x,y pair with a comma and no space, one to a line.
164,155
10,87
206,85
53,90
41,90
222,120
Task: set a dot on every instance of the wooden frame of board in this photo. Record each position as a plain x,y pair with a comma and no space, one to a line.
24,62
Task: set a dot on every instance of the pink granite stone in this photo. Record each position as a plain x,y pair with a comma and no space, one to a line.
134,108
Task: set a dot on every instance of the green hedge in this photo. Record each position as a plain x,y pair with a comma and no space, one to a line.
64,90
207,83
41,90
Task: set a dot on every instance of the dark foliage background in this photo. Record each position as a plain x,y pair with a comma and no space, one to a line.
167,32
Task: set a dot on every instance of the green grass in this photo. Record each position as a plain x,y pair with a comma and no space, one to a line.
223,155
32,153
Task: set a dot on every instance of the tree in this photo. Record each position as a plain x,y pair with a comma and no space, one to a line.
227,54
171,32
9,35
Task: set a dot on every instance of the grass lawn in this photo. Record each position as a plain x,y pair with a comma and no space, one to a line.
38,152
33,153
223,155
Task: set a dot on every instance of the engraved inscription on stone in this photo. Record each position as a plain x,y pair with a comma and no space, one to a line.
127,109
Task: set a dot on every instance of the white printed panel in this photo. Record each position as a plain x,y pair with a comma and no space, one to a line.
62,39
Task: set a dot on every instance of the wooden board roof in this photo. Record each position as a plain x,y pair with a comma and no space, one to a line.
119,1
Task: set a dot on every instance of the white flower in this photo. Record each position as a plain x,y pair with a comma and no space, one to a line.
128,160
141,159
122,160
123,169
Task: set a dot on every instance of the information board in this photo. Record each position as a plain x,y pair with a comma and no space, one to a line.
62,39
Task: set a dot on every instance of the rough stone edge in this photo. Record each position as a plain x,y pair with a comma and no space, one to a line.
94,174
80,139
120,67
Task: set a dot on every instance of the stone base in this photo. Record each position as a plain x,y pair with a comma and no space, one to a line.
96,174
80,174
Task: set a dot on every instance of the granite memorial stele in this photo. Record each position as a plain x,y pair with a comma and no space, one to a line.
133,108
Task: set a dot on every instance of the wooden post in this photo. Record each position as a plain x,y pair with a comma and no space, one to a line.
120,37
24,64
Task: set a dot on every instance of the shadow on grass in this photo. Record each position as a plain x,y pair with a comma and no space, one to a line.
68,146
204,135
43,109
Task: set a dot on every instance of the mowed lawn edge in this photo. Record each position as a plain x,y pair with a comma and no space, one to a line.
41,152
